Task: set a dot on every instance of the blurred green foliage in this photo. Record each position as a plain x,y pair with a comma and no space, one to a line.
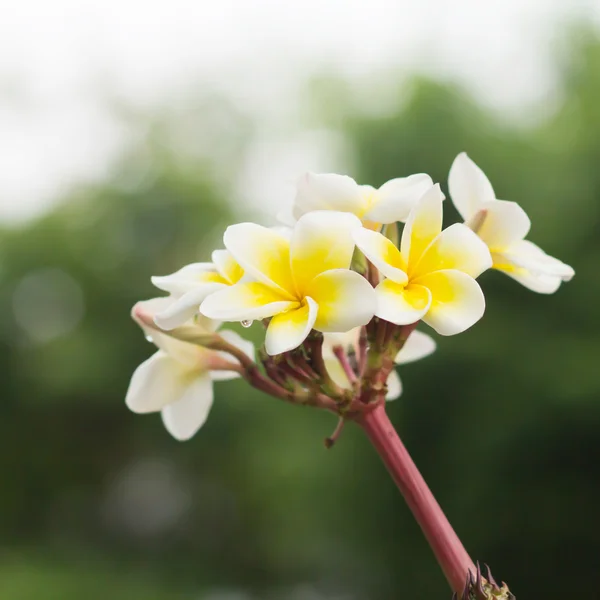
504,421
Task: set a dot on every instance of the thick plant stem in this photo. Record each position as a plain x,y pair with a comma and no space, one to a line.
448,549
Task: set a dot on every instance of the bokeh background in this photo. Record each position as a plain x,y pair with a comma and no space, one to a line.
131,133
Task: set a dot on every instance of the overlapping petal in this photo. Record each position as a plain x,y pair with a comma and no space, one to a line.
155,383
394,200
469,187
500,223
188,278
382,253
287,330
422,227
457,301
328,191
184,417
246,301
345,299
457,247
227,267
417,346
262,253
321,241
401,304
394,386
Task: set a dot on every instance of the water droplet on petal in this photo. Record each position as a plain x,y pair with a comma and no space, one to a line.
149,339
246,324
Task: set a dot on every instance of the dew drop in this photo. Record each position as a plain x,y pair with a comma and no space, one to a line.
246,324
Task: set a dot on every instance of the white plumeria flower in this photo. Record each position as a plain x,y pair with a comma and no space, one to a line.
192,284
178,379
417,346
390,203
432,276
302,283
503,226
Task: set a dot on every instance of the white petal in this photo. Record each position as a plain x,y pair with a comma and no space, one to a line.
346,300
417,346
227,267
457,247
347,340
394,386
286,216
288,330
423,225
469,187
336,372
328,191
186,307
532,267
187,278
382,253
395,199
401,304
183,418
247,301
457,301
155,383
262,253
321,241
500,223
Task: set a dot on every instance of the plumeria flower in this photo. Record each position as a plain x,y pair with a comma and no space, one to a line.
178,379
390,203
303,283
417,346
503,226
432,276
192,284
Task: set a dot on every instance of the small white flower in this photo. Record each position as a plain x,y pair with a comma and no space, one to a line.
302,283
432,276
417,346
177,379
192,284
503,226
390,203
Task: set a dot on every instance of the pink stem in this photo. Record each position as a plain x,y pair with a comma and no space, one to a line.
448,549
342,357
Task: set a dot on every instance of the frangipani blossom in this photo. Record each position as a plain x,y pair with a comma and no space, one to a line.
432,276
417,346
503,226
303,283
192,284
390,203
178,379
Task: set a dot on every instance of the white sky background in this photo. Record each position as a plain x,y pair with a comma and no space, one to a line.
57,58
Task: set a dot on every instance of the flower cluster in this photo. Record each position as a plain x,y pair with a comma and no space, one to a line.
339,292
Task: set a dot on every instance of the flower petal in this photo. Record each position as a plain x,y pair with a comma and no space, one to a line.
262,253
187,278
328,191
183,418
155,383
288,330
394,386
227,267
457,247
500,223
321,241
246,301
532,267
401,304
457,301
469,187
396,198
345,298
417,346
423,225
336,372
382,253
186,307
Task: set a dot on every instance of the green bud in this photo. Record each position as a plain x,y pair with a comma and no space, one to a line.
484,588
359,262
